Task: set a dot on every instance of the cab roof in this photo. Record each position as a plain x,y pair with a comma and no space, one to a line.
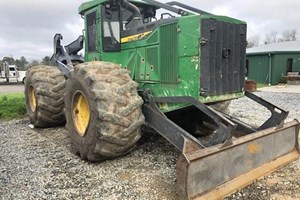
90,4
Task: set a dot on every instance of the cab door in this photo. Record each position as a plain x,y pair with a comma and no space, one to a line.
92,33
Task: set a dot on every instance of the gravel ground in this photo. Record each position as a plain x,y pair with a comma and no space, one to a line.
283,184
42,164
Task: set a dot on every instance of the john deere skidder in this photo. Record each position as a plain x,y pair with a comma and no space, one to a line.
163,69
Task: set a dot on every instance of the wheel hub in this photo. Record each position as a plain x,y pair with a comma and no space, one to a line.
80,113
32,98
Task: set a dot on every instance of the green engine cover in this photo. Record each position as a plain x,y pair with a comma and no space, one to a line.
202,56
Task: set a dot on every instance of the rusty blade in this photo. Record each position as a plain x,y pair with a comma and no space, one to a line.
201,174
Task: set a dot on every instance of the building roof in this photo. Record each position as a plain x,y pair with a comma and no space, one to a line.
280,47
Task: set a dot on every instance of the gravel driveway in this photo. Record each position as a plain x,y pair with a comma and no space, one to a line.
13,87
42,164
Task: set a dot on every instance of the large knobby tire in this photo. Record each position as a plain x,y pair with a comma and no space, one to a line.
103,110
44,91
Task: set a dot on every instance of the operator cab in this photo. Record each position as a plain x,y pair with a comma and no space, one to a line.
134,18
147,14
108,24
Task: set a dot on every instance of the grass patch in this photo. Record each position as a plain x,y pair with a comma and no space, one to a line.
260,85
12,106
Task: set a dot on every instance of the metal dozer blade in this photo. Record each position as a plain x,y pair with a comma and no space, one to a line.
215,168
214,172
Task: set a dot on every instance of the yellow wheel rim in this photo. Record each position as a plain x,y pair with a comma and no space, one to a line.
32,99
80,113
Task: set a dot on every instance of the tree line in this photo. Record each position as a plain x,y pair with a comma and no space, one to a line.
273,37
22,63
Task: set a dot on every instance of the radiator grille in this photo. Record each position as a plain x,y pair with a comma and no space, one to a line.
92,31
169,53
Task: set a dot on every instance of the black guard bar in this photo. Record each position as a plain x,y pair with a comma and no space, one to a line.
63,56
276,119
195,10
227,125
175,134
167,7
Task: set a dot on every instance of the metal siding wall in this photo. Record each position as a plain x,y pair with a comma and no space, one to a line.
280,63
297,63
278,68
258,68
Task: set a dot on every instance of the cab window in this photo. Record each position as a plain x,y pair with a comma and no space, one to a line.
111,28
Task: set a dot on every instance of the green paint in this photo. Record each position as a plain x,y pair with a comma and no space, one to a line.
262,63
259,65
167,61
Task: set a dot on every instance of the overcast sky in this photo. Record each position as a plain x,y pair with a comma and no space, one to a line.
28,26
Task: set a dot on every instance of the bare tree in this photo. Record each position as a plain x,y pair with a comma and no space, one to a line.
271,37
288,35
253,41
